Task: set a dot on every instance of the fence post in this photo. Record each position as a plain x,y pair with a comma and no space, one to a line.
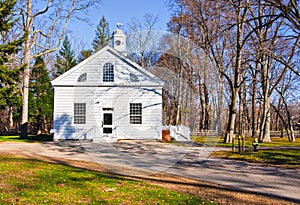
243,143
239,143
232,141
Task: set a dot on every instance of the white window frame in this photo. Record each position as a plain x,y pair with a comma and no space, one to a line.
79,113
108,73
135,113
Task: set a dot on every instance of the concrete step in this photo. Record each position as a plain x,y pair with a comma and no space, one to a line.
104,139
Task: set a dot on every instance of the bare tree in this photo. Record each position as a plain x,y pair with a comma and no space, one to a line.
142,39
272,45
288,10
208,25
251,44
46,39
287,91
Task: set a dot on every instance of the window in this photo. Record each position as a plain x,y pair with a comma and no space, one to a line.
79,113
108,72
108,109
82,78
133,78
135,113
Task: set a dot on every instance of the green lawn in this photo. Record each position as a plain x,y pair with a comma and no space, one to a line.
31,138
289,158
218,141
27,181
278,152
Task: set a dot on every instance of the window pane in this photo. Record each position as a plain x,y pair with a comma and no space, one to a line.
135,119
79,113
108,73
107,119
107,130
135,113
79,119
135,108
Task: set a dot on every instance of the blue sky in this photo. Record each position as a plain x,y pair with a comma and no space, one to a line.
120,11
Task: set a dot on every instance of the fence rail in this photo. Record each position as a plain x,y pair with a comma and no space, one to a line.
247,133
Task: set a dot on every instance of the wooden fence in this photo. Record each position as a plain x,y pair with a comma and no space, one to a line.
248,133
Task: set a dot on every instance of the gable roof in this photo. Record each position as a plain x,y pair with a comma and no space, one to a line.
61,80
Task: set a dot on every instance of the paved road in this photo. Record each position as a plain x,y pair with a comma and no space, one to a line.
142,158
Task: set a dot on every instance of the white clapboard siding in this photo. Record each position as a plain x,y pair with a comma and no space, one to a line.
93,67
97,95
118,98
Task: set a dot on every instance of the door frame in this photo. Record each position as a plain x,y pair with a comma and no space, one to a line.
107,110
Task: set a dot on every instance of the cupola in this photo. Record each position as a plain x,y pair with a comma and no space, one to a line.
119,39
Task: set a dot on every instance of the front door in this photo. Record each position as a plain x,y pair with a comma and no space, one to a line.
107,124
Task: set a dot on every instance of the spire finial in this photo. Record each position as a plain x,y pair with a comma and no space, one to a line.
119,25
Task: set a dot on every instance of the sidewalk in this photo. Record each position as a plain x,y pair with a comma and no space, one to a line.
144,158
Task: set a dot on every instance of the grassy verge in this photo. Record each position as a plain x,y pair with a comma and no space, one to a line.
27,181
31,138
289,158
278,152
218,141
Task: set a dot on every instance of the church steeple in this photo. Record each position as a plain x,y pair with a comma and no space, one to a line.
119,39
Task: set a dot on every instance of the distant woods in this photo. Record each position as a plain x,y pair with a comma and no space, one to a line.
237,67
228,66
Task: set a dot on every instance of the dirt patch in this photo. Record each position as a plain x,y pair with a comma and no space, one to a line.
204,190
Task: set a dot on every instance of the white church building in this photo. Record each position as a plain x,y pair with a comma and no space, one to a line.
108,97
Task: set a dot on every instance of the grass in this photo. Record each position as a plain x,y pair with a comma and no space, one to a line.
278,152
31,138
288,158
28,181
218,141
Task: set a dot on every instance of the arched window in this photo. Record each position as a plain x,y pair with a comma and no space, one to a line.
82,78
133,78
108,72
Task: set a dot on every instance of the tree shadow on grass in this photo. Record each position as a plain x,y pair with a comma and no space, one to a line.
30,139
185,184
41,138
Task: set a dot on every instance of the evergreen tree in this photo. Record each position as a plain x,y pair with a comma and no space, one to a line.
40,97
65,59
9,75
102,35
84,54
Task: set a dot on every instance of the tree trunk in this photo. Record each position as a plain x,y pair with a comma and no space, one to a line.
232,117
265,124
180,94
240,117
11,120
277,115
220,105
202,105
266,129
24,123
290,130
207,108
237,80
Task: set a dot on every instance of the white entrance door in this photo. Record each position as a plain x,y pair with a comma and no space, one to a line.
107,123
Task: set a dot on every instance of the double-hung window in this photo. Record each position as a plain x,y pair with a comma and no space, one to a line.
79,113
135,113
108,72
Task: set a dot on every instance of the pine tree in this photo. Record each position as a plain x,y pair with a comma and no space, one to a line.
9,75
40,97
102,35
65,59
84,54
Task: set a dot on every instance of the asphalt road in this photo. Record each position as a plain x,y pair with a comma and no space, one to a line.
144,158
